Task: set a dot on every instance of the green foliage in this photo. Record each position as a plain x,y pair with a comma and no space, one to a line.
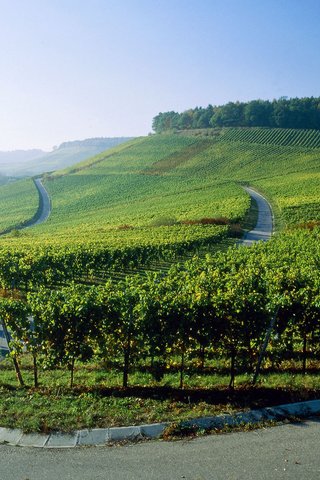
16,313
221,304
163,221
283,113
65,320
18,203
26,263
274,136
159,177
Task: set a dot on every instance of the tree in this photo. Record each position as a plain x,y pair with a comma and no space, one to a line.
258,113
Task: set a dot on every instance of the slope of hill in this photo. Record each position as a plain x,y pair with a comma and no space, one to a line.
275,136
187,178
119,196
18,203
127,188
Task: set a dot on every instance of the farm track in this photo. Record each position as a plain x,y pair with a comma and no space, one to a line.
44,204
264,226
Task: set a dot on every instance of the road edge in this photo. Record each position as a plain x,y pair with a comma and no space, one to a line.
108,436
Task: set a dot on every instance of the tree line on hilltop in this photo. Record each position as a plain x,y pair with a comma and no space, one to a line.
282,113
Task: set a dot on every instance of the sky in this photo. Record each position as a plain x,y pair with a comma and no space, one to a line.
75,69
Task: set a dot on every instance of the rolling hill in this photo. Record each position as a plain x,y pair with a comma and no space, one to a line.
129,214
172,181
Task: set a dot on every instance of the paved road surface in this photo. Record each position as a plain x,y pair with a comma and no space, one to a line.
264,226
283,452
46,205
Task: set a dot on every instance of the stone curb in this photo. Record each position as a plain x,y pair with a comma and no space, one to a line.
105,436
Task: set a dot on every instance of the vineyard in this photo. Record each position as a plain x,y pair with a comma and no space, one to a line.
174,178
154,199
274,136
19,203
128,272
203,321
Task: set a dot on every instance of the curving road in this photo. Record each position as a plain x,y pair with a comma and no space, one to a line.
264,226
282,452
44,203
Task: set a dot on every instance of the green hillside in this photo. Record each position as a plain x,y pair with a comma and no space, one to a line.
19,202
111,286
141,184
187,178
119,197
275,136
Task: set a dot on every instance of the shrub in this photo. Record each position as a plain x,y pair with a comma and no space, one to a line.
163,222
207,221
125,227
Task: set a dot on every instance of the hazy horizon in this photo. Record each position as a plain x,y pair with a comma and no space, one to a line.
73,70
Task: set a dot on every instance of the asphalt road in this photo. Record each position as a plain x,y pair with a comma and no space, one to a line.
46,205
282,452
264,226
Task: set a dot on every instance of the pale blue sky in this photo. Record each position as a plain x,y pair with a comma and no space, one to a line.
73,69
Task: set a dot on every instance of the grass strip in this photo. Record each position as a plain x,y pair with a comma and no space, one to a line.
98,400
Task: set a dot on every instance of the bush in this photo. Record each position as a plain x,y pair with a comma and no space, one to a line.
163,222
207,221
125,227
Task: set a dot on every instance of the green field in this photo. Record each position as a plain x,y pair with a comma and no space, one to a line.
18,203
141,207
274,136
156,199
118,196
145,198
126,189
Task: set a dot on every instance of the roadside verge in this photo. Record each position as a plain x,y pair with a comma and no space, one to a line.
108,436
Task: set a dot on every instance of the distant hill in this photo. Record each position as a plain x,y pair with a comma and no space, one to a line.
33,162
13,160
